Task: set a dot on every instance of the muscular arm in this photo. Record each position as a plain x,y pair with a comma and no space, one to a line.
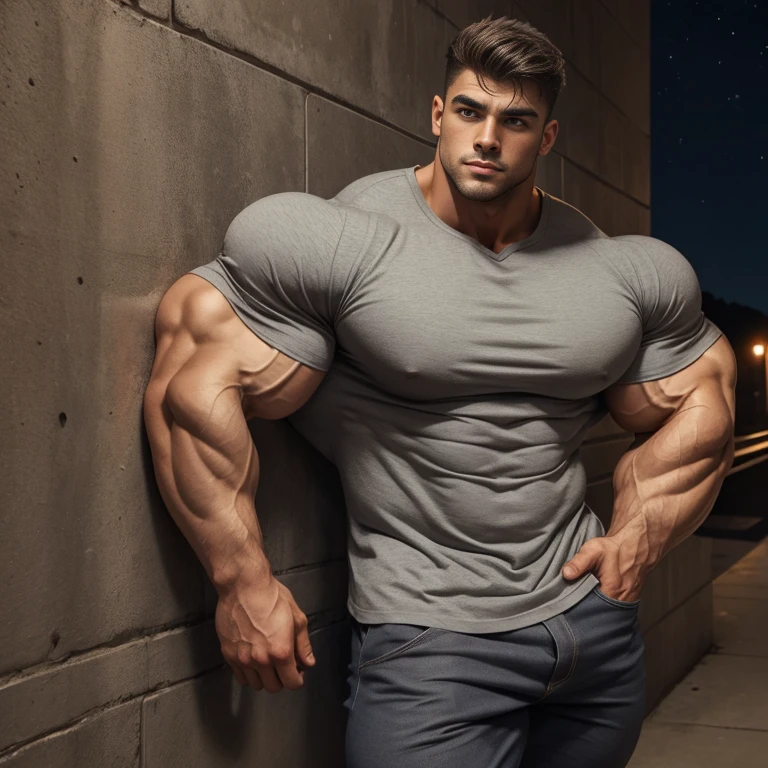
666,483
211,374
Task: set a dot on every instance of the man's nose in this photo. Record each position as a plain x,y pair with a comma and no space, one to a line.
487,139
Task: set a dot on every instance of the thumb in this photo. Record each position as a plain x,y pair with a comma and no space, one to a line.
582,562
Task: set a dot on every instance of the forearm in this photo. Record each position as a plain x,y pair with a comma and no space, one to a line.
206,468
666,484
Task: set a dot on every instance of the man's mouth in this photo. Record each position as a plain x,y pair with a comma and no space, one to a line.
486,169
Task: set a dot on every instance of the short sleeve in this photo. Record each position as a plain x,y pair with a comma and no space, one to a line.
277,268
675,330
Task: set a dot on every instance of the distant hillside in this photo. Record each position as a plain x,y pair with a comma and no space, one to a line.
741,324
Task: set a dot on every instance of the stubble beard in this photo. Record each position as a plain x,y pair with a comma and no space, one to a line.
479,194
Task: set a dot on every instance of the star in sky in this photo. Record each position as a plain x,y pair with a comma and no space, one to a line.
696,61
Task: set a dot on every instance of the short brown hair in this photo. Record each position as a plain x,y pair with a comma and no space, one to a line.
508,51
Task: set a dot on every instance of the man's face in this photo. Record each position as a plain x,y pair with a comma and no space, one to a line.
504,128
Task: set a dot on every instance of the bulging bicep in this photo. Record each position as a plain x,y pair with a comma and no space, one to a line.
205,352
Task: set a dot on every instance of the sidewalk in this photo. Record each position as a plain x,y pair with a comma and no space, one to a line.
717,717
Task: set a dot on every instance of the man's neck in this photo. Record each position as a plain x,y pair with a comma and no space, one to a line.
495,224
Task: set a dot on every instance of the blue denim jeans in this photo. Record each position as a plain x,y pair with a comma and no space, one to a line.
568,692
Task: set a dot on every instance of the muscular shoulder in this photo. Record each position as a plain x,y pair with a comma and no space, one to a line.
662,277
643,244
310,223
652,259
369,188
646,255
293,215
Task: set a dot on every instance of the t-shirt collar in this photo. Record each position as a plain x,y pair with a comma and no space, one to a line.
410,174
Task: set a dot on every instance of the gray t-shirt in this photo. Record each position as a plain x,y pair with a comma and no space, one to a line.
460,383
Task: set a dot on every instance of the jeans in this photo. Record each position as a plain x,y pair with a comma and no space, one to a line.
568,692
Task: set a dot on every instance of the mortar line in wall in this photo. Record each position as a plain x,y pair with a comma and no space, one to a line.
693,594
51,733
715,727
309,88
271,69
102,708
615,105
599,67
616,19
718,652
142,729
596,87
743,597
608,184
145,634
96,711
247,58
138,755
440,14
200,36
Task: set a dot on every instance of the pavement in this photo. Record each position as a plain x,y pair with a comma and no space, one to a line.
717,717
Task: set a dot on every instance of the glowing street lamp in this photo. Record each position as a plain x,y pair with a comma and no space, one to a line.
759,351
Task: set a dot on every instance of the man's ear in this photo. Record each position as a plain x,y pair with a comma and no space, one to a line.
548,136
438,106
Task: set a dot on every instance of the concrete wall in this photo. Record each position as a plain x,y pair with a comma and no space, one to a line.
132,134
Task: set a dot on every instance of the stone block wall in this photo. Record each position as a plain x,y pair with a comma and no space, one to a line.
133,132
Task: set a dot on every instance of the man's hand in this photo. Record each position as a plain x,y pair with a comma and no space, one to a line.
212,374
263,634
618,563
666,483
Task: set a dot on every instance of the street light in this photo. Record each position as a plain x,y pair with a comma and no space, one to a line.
759,351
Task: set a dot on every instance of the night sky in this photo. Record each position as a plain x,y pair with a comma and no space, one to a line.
709,141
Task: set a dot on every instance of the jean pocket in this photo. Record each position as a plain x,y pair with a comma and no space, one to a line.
614,601
382,642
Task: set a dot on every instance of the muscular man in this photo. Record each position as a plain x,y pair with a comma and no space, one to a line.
446,335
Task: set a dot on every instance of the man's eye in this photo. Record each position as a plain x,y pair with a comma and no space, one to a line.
518,121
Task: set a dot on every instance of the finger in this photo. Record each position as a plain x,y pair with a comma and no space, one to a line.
608,574
252,676
303,644
290,676
269,677
239,675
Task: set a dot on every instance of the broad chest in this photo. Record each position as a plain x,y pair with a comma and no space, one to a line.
425,321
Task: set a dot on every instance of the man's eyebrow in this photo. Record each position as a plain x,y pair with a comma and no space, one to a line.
511,112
